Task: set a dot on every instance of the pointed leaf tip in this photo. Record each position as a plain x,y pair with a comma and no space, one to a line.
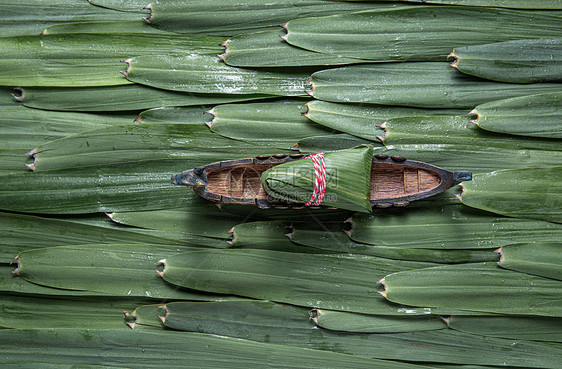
31,152
165,316
472,113
161,262
18,98
149,18
133,323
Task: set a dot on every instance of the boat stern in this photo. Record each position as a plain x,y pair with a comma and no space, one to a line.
193,178
462,176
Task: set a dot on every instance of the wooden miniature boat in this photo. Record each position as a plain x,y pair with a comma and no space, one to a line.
394,181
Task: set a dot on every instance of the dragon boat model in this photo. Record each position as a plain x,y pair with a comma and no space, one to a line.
352,179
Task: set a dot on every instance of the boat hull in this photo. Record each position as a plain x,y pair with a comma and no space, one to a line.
395,181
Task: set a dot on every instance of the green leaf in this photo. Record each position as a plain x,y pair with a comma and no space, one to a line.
479,287
424,85
141,349
364,120
352,322
348,180
332,142
22,127
268,49
208,74
11,283
181,114
56,60
7,101
534,115
273,323
110,270
454,130
419,33
145,316
127,187
448,156
276,124
519,4
447,227
264,235
122,5
124,26
341,243
518,61
24,232
28,365
533,193
193,144
30,17
513,327
336,282
543,259
202,219
240,16
12,161
115,98
36,311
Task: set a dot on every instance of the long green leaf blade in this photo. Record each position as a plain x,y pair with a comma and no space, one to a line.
192,144
517,327
341,243
448,156
274,323
12,284
337,282
424,85
110,270
420,33
363,323
518,4
141,349
36,311
278,124
456,130
519,61
447,227
125,26
125,187
24,232
240,16
364,120
480,287
55,60
116,98
268,235
22,127
535,115
208,74
533,193
542,259
268,49
202,219
33,16
125,6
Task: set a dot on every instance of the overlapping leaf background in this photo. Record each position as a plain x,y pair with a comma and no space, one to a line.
115,267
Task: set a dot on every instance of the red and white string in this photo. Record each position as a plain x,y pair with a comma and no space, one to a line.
319,179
